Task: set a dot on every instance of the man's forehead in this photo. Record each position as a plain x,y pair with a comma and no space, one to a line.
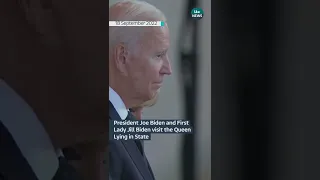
157,37
157,32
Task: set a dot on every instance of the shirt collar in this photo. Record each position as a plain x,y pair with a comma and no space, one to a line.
118,104
29,134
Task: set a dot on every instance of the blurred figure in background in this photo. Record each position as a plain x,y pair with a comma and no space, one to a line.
43,108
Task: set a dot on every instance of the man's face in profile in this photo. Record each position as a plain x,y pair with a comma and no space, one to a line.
149,62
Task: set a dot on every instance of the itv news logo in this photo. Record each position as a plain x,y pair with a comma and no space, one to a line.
197,13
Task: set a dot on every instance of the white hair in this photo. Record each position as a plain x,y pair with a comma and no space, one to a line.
133,10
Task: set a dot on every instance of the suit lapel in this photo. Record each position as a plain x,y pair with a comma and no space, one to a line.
113,113
12,159
132,149
137,158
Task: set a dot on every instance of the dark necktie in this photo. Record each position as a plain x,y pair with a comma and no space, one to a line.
139,143
66,171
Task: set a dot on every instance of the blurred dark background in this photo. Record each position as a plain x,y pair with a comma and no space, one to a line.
265,89
265,61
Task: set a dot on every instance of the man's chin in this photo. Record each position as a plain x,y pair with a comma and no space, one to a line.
149,97
154,93
151,94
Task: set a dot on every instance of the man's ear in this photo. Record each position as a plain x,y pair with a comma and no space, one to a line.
121,57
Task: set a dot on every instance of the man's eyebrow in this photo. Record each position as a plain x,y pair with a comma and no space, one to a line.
163,51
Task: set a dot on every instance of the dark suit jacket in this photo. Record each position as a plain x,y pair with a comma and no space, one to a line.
51,56
126,161
26,151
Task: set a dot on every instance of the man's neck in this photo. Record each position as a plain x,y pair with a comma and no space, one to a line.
122,86
122,91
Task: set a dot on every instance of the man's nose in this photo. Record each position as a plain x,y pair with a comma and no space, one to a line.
166,69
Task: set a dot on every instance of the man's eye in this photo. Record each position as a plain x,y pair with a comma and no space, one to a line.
160,55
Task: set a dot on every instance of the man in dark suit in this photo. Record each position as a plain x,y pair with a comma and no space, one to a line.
138,62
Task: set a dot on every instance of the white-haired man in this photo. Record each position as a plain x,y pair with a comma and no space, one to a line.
138,62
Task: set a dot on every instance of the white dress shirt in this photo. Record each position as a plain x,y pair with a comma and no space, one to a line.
29,134
118,104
